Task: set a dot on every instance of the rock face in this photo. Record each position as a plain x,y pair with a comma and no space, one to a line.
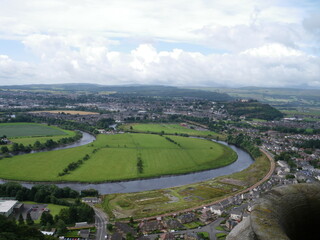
287,212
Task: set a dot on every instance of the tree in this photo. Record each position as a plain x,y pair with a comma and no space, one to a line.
129,236
61,227
29,220
46,218
37,145
110,227
48,227
4,149
21,220
15,147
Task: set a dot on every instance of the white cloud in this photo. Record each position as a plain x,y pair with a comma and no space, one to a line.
261,43
64,60
273,51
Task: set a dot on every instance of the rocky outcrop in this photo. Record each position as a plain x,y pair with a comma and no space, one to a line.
287,212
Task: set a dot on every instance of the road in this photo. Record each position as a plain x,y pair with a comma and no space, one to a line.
101,223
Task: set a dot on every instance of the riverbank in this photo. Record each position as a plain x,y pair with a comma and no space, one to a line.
165,202
115,157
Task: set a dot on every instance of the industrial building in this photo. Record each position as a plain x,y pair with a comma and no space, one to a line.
7,207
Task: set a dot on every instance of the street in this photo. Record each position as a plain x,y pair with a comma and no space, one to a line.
101,223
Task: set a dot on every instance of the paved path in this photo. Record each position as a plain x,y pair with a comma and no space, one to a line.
101,223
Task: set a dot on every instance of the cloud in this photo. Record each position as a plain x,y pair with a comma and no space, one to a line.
260,43
64,59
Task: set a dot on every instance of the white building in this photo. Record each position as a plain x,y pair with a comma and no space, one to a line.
6,207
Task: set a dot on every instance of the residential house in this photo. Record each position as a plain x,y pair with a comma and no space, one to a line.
216,209
206,215
125,228
187,217
236,214
230,224
167,236
150,226
191,236
84,234
173,224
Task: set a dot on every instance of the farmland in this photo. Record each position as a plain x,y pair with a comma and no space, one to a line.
29,130
71,112
29,133
114,157
168,129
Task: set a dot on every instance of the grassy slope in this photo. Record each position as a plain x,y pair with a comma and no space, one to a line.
116,159
167,129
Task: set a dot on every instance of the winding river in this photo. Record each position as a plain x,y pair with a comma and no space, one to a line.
244,160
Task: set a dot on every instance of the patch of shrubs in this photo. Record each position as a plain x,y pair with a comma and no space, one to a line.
74,165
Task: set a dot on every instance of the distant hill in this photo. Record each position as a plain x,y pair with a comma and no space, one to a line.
253,109
278,97
136,90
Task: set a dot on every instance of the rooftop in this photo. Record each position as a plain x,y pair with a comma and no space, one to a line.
6,205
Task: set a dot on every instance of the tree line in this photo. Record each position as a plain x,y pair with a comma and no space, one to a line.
245,142
74,165
10,230
38,193
49,144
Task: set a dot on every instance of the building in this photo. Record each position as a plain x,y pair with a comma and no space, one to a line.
7,206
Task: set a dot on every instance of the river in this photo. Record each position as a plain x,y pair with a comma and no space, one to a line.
244,160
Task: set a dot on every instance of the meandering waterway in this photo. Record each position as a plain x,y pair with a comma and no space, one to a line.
244,160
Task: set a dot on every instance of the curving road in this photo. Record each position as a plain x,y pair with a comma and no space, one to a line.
101,223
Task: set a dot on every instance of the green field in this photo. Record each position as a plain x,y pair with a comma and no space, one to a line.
114,157
29,133
31,140
168,129
29,130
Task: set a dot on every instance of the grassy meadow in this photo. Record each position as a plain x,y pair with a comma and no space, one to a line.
29,130
167,129
29,133
114,157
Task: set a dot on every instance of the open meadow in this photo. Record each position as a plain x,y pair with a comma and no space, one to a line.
168,129
29,130
117,157
29,133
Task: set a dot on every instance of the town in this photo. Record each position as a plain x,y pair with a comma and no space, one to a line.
292,142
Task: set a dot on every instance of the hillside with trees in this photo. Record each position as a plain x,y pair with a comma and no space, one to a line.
252,109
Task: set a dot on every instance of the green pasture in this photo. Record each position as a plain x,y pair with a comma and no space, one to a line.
31,140
167,129
29,130
114,157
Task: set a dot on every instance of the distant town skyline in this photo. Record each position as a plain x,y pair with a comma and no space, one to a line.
176,43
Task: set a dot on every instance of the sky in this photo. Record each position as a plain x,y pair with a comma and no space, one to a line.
208,43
